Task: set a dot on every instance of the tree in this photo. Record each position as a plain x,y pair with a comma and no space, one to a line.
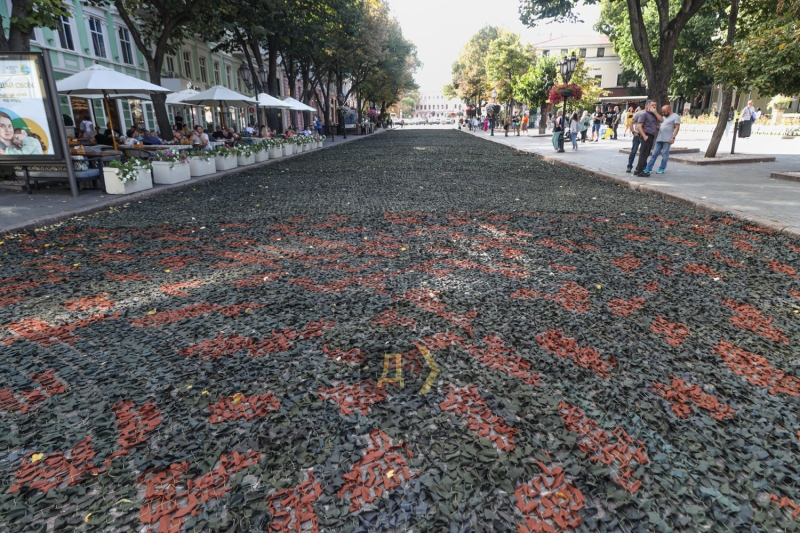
393,72
657,58
727,96
470,82
24,17
700,35
409,103
534,86
507,59
592,91
157,27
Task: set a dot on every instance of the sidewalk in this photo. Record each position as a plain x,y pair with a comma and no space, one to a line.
746,190
20,211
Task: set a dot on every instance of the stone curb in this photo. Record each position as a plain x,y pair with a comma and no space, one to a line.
41,222
786,176
666,194
709,162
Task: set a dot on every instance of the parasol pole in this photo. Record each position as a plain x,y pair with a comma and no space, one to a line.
222,113
110,120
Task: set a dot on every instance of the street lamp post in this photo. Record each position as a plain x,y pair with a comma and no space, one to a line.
344,124
568,65
494,112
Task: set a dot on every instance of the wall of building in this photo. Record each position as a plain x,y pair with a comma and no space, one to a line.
435,104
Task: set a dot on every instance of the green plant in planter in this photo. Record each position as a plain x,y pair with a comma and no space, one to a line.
201,154
223,151
129,170
170,156
244,150
780,102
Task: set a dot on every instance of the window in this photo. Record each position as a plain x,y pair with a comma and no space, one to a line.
187,65
96,29
620,83
545,53
599,80
581,52
228,76
65,33
171,65
125,46
564,52
216,73
203,73
601,52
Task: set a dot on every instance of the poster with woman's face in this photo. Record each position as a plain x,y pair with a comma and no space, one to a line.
24,128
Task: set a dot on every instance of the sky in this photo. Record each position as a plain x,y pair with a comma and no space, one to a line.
440,28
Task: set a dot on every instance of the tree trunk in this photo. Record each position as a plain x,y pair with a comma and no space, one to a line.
727,96
272,82
543,118
307,92
17,40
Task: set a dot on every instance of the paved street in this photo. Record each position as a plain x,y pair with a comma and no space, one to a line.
420,331
746,188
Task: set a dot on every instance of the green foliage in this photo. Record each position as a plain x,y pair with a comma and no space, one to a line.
506,60
765,53
701,34
25,15
533,87
470,81
592,91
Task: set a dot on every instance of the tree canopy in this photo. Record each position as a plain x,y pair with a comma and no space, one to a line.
470,81
656,53
701,34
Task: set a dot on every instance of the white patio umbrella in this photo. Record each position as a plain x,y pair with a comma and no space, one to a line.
296,105
98,79
265,100
178,98
222,96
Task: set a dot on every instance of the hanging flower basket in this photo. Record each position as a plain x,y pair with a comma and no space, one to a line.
567,90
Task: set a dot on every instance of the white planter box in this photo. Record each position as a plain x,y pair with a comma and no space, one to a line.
319,144
115,186
262,156
164,175
199,167
287,149
275,152
225,162
304,147
244,160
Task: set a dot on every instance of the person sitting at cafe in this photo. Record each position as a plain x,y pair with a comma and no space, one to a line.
218,133
200,139
103,139
186,132
151,138
249,130
231,135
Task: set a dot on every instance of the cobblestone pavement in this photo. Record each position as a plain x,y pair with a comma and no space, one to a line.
422,332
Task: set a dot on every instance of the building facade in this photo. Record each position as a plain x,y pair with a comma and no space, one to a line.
435,104
97,35
601,61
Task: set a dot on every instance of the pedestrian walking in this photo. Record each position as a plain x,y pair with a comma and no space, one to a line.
525,121
667,132
610,119
597,122
556,130
648,129
729,125
517,123
626,121
758,113
746,120
87,127
507,125
586,122
574,130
